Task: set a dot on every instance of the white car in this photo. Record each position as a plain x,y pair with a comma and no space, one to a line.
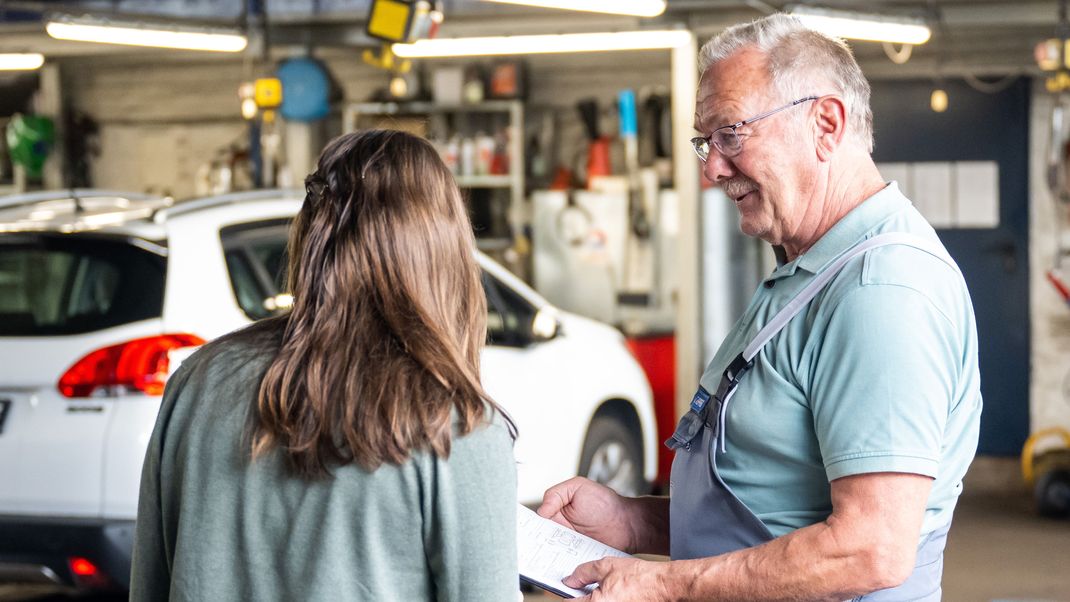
102,294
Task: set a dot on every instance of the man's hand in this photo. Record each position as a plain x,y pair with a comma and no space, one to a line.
591,509
637,525
622,580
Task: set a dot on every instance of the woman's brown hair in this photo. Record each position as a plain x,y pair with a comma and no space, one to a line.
380,353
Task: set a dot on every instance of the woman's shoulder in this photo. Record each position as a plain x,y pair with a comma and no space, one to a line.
489,440
249,348
494,423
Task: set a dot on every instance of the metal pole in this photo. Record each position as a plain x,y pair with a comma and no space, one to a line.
49,103
689,326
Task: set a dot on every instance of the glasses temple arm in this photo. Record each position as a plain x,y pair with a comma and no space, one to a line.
776,110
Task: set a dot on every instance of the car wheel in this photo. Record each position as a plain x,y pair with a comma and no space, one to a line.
1053,494
612,455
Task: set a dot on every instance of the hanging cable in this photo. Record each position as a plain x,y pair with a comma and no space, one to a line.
991,87
899,57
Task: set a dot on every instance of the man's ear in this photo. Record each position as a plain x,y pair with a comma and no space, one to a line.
830,124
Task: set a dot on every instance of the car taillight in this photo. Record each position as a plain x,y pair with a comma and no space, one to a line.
86,573
138,365
83,568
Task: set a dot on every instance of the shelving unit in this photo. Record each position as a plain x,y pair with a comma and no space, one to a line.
506,189
496,181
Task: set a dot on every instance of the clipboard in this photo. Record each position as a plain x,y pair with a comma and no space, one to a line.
548,552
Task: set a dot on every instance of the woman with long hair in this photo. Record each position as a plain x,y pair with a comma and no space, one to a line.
345,450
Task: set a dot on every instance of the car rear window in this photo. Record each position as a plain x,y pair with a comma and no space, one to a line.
256,260
509,315
54,284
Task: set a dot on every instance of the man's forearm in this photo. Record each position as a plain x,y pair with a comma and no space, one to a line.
869,542
809,564
649,523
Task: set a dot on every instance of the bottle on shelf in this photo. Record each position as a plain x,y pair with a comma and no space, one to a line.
452,155
468,156
484,153
499,164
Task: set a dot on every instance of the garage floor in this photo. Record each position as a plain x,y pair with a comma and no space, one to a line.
998,549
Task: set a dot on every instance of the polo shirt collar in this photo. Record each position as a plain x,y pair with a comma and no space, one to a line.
845,233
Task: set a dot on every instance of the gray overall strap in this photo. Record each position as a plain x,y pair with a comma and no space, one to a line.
789,311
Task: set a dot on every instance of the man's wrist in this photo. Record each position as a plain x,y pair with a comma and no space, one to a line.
648,524
672,586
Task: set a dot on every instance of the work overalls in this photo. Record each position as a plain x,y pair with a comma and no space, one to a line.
706,518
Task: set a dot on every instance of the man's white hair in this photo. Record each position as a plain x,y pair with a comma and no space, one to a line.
799,59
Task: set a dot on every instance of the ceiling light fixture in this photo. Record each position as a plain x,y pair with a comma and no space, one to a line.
139,34
25,61
861,26
637,8
544,44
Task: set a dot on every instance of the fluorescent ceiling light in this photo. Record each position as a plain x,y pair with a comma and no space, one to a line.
26,61
132,34
638,8
544,44
859,26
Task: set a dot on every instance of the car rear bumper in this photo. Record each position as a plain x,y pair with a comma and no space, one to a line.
39,549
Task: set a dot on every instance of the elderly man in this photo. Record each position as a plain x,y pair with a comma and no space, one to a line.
825,448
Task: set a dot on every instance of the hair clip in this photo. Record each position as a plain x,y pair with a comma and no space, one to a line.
315,185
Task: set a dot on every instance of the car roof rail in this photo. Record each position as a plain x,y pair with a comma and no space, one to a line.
73,194
231,198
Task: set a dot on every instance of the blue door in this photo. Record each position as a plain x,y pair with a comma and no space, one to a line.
995,260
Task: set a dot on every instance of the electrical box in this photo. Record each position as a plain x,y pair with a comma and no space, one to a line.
390,20
267,92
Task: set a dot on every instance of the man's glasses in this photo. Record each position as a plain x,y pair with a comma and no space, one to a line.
726,138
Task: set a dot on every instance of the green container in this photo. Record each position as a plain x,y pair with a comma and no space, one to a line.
29,140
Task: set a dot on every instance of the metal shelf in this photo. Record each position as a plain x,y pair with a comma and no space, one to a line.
492,110
495,181
493,244
424,108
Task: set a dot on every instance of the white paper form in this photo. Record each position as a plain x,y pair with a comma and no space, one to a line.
549,552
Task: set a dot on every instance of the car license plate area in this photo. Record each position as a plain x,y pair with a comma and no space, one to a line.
5,407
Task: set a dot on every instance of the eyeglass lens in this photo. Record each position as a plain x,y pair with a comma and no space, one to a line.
724,140
702,147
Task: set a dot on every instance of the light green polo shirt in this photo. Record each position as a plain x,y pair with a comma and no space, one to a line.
877,374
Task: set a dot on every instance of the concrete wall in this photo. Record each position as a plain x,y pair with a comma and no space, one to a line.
1050,379
161,120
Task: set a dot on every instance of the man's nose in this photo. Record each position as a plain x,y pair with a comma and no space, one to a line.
717,167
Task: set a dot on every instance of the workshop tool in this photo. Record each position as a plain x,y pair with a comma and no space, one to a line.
598,163
636,248
1048,473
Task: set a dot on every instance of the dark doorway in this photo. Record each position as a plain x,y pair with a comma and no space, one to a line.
995,261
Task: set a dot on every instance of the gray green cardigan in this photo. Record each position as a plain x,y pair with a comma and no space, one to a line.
213,526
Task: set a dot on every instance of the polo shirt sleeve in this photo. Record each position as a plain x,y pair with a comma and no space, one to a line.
883,381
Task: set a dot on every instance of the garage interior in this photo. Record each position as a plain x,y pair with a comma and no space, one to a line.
581,182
